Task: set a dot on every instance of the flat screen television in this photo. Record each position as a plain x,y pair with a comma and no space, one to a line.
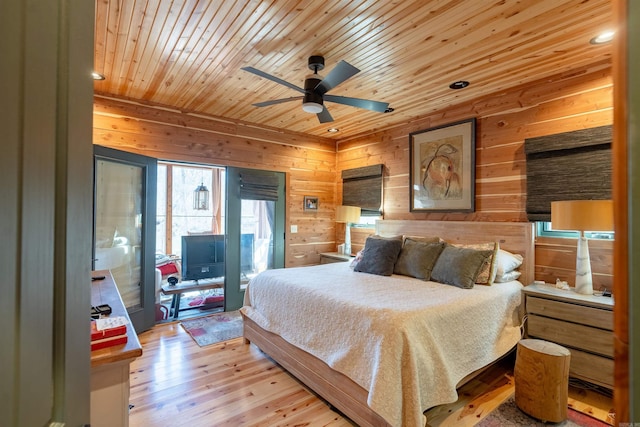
202,256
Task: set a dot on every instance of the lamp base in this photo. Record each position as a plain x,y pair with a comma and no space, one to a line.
584,283
347,239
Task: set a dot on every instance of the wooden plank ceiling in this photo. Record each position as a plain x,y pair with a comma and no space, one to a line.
188,55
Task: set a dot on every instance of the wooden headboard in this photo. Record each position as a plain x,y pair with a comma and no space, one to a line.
516,237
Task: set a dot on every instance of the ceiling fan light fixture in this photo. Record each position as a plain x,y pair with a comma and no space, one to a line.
312,107
312,102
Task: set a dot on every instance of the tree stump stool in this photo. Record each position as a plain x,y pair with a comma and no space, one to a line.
541,378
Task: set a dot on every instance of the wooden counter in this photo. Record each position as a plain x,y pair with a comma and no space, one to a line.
106,292
110,366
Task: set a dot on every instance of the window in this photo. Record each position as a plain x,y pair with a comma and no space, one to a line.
366,221
543,228
175,215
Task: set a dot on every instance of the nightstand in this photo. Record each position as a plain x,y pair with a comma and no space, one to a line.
329,257
582,323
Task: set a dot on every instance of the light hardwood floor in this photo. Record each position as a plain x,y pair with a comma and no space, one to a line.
176,382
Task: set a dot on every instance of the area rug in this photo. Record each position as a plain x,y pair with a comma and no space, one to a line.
509,415
214,328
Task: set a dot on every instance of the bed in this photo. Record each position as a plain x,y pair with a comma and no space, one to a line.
365,342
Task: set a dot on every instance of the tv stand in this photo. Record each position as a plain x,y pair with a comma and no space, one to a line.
189,285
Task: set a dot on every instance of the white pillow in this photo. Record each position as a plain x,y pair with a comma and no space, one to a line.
507,262
507,277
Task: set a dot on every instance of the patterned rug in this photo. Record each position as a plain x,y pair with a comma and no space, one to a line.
214,328
509,415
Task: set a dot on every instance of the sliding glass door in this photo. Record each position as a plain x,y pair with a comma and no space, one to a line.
255,228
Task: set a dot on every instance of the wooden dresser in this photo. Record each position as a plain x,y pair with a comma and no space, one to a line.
110,366
582,323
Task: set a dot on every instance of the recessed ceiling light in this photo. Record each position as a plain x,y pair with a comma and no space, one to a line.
97,76
605,37
460,84
333,130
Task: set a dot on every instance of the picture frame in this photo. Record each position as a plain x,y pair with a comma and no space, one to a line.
310,203
442,168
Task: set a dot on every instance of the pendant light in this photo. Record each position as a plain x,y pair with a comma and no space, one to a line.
201,198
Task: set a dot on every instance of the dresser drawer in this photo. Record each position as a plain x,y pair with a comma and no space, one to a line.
592,368
570,334
575,313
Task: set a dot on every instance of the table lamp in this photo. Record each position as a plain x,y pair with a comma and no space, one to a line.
348,215
582,215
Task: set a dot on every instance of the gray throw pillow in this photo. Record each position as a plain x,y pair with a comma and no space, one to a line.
459,266
417,258
379,256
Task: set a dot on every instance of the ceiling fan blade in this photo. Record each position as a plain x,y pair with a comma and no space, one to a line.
277,101
340,73
272,78
367,104
324,115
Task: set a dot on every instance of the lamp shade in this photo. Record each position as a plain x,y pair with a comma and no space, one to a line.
582,215
348,214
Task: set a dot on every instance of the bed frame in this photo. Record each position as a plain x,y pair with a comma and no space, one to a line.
339,390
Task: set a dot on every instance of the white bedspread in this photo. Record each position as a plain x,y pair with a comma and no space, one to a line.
407,341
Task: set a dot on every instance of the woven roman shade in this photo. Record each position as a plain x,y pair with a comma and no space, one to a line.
567,166
362,187
258,186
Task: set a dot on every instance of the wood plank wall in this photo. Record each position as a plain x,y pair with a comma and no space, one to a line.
309,162
566,102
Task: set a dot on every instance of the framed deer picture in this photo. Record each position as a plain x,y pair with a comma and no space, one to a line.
442,170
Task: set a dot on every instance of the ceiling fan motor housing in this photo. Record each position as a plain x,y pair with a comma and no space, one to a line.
310,95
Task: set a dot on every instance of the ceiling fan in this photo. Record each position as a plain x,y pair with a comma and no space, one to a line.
315,89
